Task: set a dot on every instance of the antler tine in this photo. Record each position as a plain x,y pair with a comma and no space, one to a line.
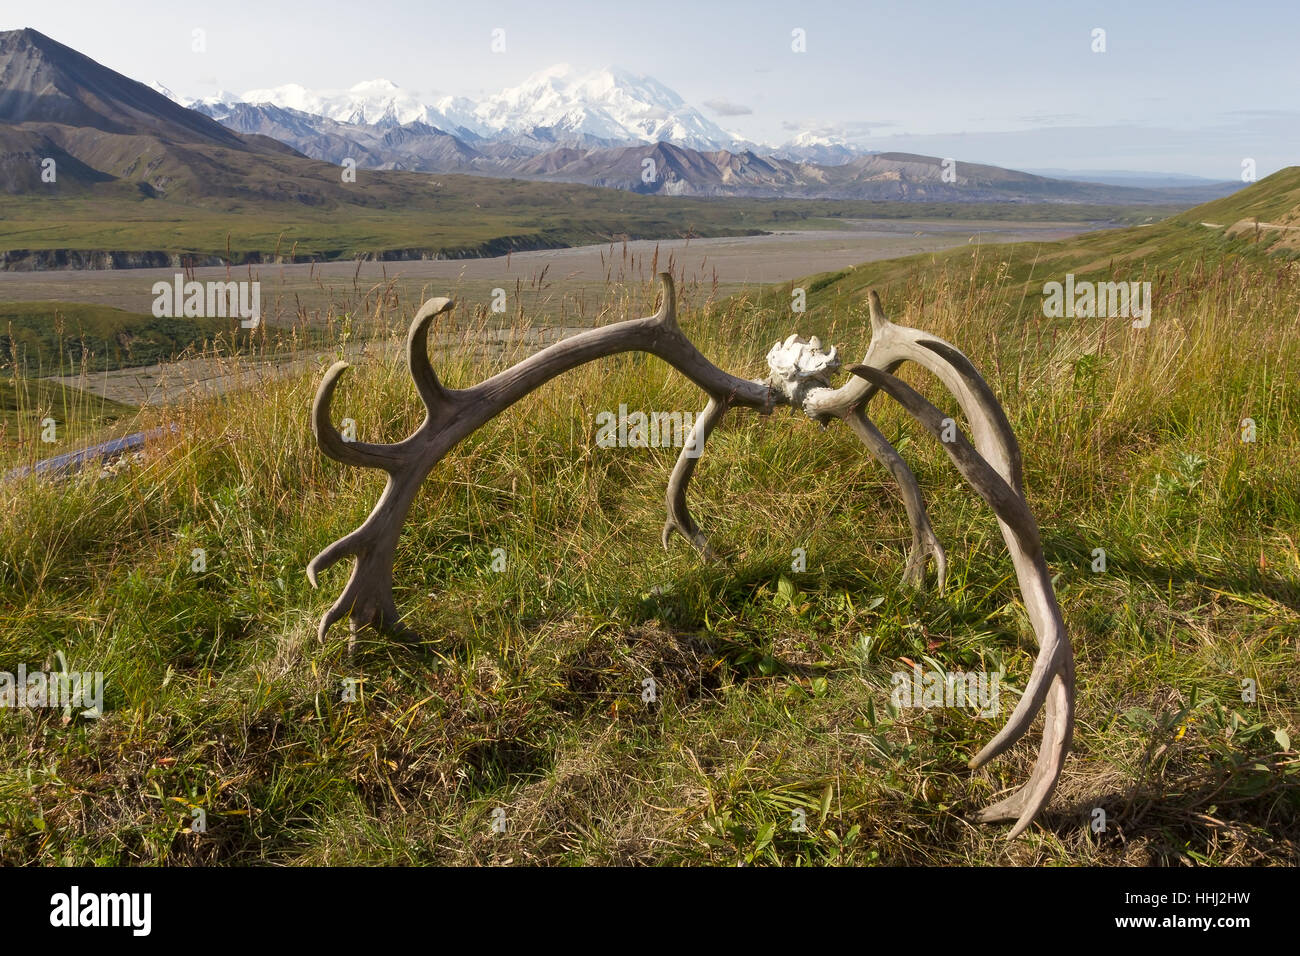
364,603
879,320
417,353
679,515
667,311
1021,534
925,544
362,454
332,555
1058,728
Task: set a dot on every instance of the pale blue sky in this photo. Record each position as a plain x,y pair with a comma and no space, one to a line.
1182,87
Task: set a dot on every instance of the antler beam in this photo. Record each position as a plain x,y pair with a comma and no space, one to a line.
452,414
799,378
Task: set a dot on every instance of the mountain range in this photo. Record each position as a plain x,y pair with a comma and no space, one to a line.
556,106
616,129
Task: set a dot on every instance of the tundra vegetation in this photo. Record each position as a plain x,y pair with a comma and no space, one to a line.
531,563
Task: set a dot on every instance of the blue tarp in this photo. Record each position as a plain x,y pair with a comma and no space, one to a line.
75,461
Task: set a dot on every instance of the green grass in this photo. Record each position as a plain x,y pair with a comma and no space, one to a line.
27,406
70,338
772,686
460,216
1011,276
1272,198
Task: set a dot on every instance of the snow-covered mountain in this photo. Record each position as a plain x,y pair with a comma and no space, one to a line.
556,106
610,104
812,146
370,103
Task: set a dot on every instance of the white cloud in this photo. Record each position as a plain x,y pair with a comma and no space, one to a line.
726,108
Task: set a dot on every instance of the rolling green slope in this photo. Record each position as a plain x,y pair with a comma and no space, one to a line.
1273,198
1201,238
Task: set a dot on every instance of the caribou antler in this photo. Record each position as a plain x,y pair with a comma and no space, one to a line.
799,378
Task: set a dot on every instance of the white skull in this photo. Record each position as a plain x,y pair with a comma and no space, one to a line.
798,365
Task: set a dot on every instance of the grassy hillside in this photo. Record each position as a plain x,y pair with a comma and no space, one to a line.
79,417
1274,198
1190,245
772,686
70,338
